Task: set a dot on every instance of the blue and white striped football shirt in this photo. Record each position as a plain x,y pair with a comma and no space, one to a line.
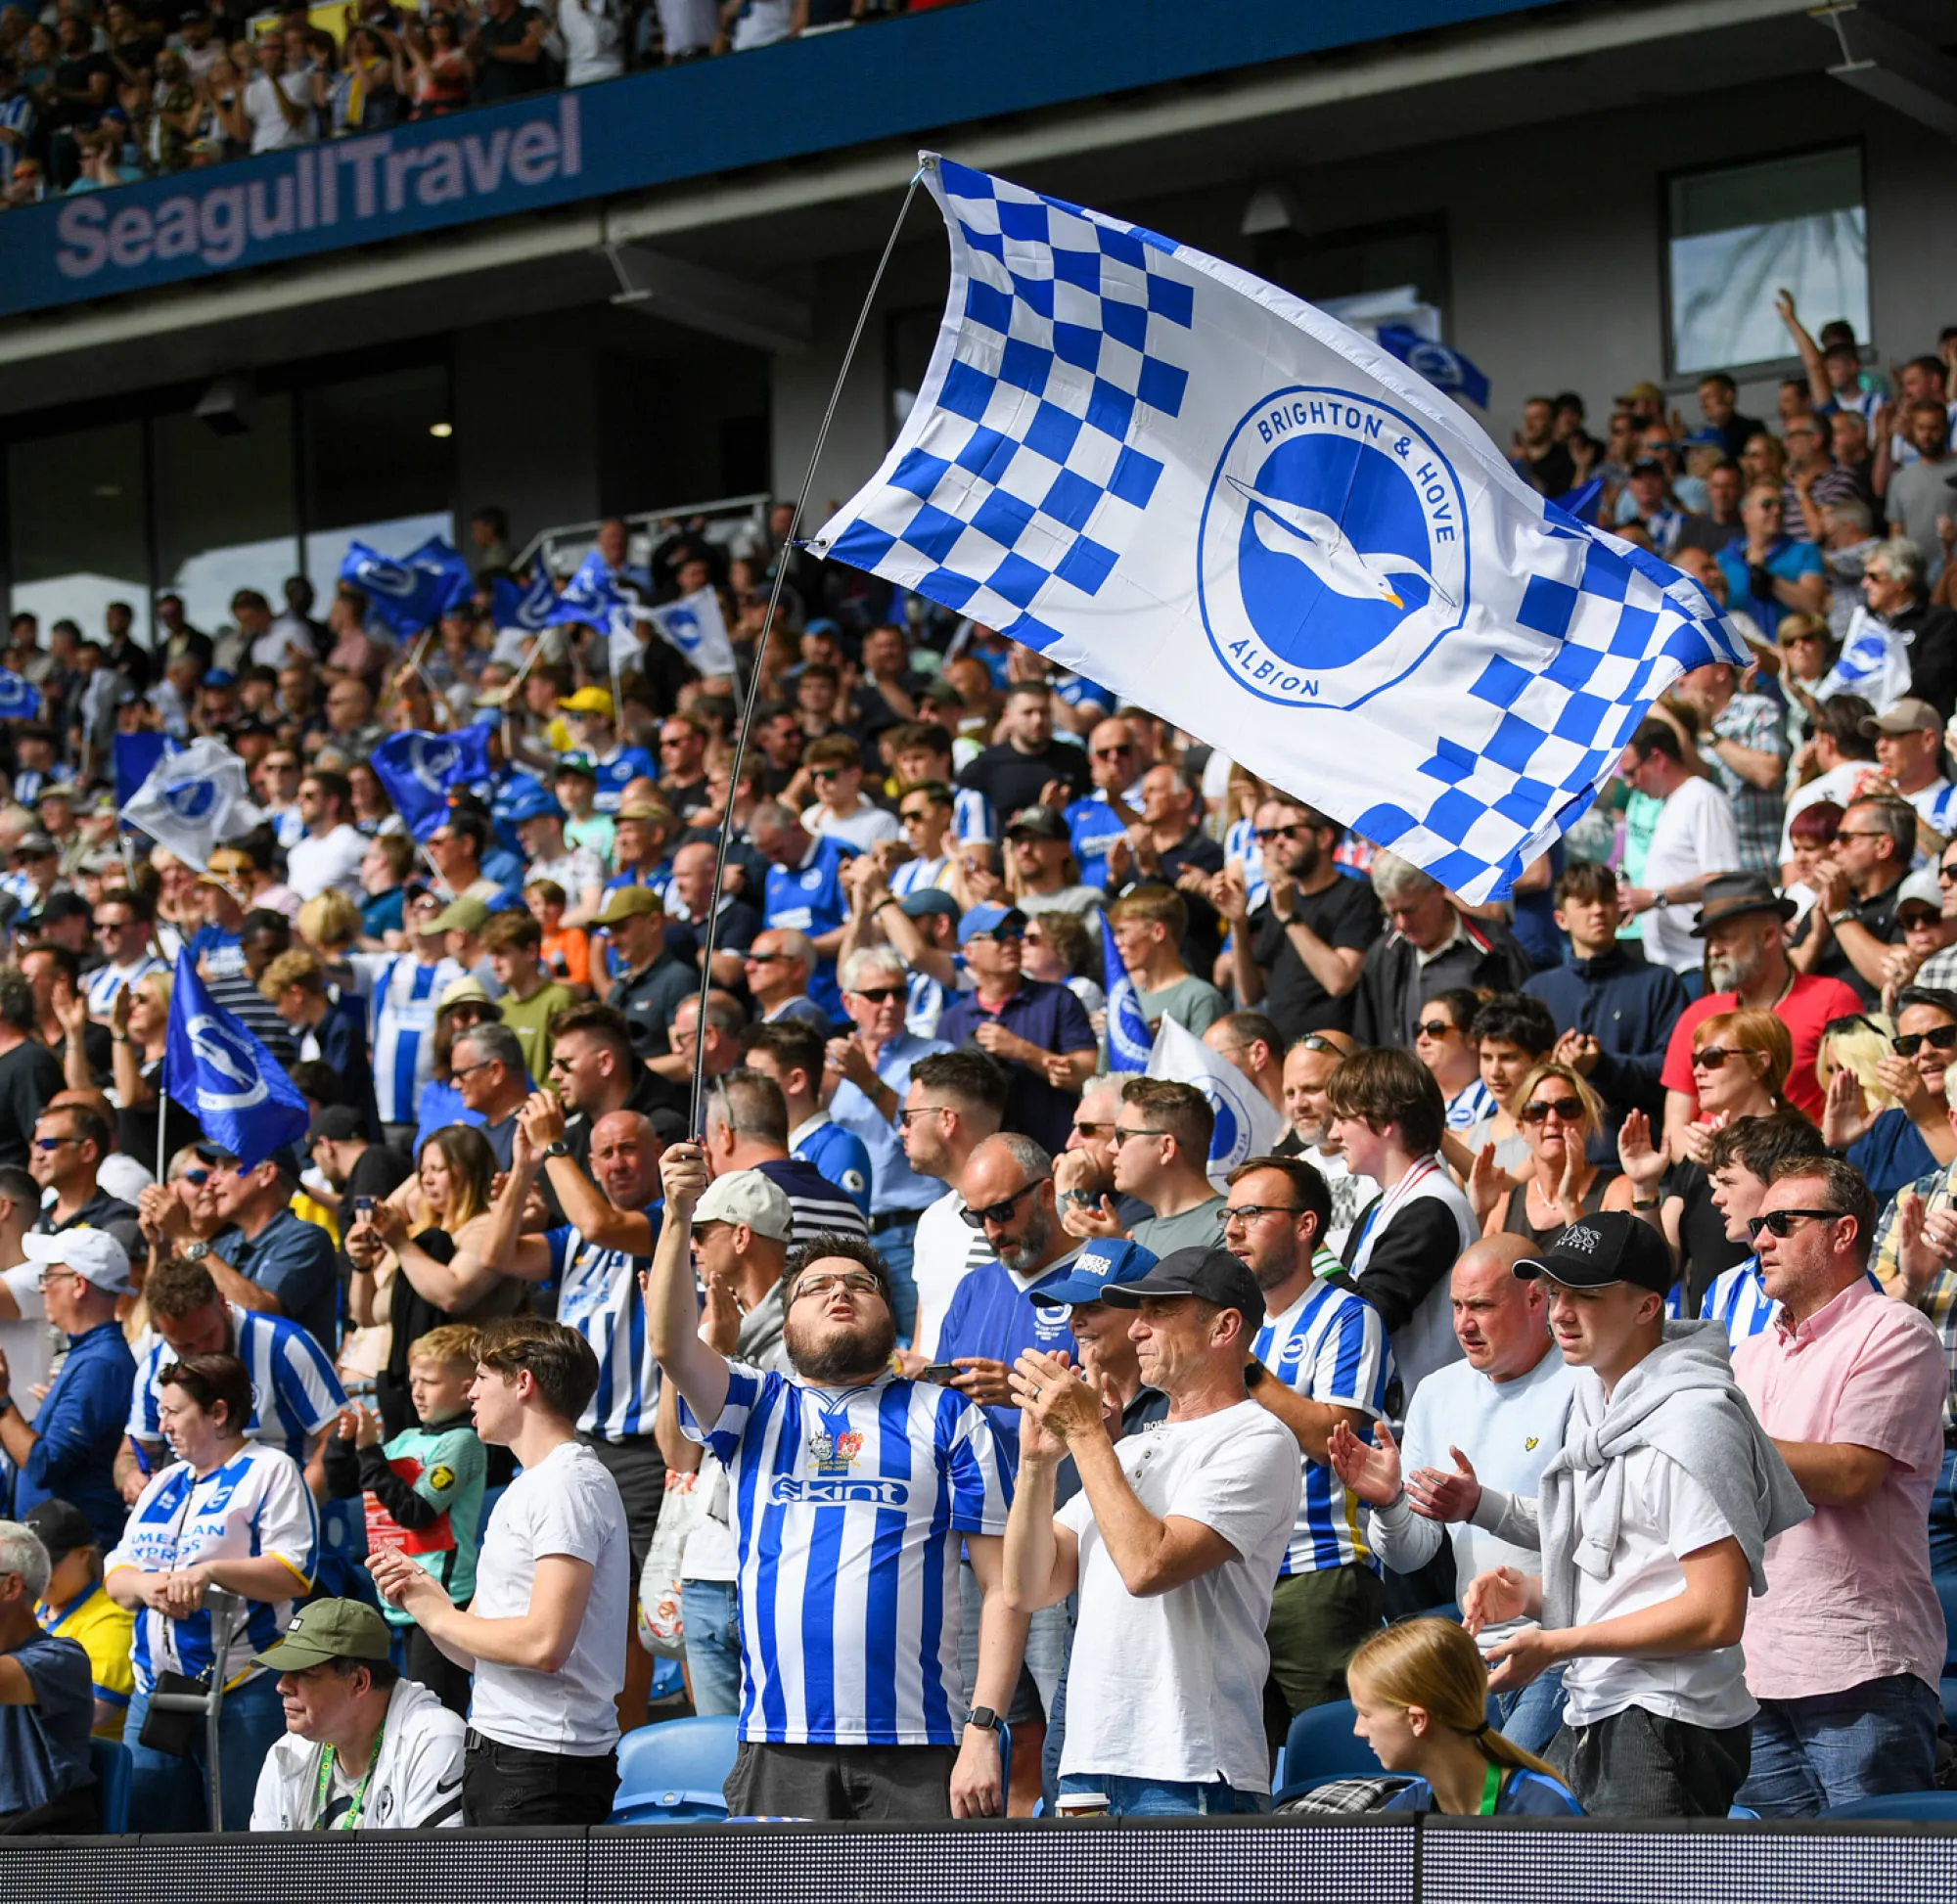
1470,1104
918,876
401,994
1738,1302
256,1504
1241,849
1330,1346
295,1392
848,1505
104,982
972,820
599,1297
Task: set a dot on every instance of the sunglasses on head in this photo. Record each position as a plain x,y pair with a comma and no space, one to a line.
1538,1109
1907,1044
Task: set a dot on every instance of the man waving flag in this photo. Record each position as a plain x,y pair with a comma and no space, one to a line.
224,1077
1221,504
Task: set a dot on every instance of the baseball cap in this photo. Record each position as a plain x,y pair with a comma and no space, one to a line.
645,810
462,915
534,803
1037,823
1920,889
1705,438
35,843
629,902
62,1528
920,901
1909,716
338,1124
747,1197
229,867
327,1629
989,919
1090,1273
1646,466
467,991
589,701
1201,1270
1642,393
1611,1246
90,1252
575,763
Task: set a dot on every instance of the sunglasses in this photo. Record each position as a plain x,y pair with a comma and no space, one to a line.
196,1178
1005,936
1781,1222
1110,754
1263,835
1537,1111
903,1117
1001,1211
908,814
881,994
1434,1028
1909,1043
826,773
1710,1058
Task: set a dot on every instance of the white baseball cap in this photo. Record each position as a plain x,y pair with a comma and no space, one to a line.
747,1197
93,1254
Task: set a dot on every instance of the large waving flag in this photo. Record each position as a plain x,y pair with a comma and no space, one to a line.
519,605
1246,1124
1444,367
1181,481
417,769
224,1077
593,597
414,593
1128,1037
19,698
194,798
695,626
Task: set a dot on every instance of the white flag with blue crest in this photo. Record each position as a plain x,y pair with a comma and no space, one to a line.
1247,1125
194,799
695,626
1195,488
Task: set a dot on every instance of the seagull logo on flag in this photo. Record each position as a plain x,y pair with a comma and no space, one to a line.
17,698
220,1050
1288,529
389,577
190,799
431,762
681,627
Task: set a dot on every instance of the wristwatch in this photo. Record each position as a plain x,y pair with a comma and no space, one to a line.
195,1251
984,1716
556,1148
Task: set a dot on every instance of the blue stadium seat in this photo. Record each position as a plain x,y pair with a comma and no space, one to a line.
674,1770
109,1761
1741,1811
1322,1745
1948,1689
1902,1806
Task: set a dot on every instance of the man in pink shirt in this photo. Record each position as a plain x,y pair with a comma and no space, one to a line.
1844,1652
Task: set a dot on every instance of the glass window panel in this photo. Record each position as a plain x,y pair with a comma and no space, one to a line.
1742,234
226,514
372,453
78,539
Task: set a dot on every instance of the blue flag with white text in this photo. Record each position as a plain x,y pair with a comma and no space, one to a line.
1444,367
224,1077
418,769
414,592
1168,476
1129,1039
523,604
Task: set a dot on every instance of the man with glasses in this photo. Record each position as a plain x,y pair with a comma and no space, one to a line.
68,1451
1939,969
776,967
1669,1490
1319,1361
1908,737
682,764
835,768
1100,818
123,926
1895,590
1846,1647
488,1066
1854,918
841,1473
594,1069
1913,1137
924,814
1160,1144
327,858
69,1142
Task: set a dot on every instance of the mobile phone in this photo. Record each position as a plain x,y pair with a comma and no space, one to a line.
363,1207
941,1373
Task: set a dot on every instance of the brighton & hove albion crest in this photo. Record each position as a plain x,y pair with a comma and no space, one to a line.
222,1051
1333,554
432,762
190,799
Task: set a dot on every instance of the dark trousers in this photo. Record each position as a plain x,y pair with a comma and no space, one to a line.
434,1668
1635,1764
842,1781
510,1785
75,1814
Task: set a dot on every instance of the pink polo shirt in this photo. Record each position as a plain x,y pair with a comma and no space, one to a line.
1848,1595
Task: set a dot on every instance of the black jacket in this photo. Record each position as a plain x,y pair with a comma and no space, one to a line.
1393,985
1629,1006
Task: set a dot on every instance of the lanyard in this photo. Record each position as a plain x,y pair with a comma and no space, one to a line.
350,1817
1491,1789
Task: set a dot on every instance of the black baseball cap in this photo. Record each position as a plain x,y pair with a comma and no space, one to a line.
1611,1246
1201,1270
62,1528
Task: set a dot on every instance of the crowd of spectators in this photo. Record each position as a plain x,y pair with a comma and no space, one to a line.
96,93
1602,1286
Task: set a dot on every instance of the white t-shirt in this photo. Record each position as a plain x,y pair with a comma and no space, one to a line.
1694,835
271,133
567,1504
867,827
1173,1687
331,861
1665,1514
946,1247
594,40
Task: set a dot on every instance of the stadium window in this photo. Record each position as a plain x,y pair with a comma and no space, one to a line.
374,469
1407,256
1737,233
76,510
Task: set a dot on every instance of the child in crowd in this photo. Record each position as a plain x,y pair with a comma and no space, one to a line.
75,1608
567,949
424,1489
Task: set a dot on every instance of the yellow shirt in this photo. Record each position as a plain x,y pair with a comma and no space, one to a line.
106,1632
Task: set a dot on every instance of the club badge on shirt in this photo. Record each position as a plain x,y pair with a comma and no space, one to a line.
835,1454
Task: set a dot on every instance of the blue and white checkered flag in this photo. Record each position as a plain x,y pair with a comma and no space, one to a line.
1129,1039
1183,482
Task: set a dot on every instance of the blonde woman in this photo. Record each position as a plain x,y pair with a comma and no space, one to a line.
1420,1698
1558,1116
329,923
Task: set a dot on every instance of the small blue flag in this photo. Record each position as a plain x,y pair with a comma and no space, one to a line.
1580,504
20,701
1446,369
136,757
514,605
224,1077
412,594
592,596
417,771
1129,1039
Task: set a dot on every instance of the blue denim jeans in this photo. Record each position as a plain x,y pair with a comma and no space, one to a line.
1943,1517
172,1794
1531,1717
1836,1748
897,1246
1165,1798
706,1611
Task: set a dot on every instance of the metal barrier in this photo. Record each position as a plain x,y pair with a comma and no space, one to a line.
727,519
1375,1860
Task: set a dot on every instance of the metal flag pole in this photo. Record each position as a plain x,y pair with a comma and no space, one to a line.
753,694
163,1109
